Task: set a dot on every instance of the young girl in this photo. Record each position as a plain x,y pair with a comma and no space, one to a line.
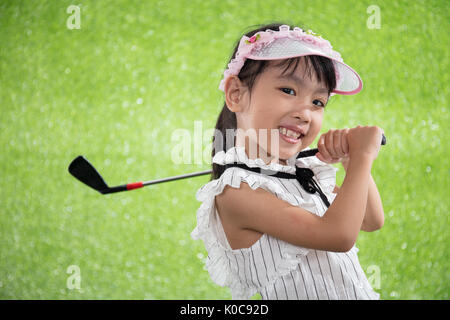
272,223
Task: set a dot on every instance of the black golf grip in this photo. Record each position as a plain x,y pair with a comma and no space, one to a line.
312,152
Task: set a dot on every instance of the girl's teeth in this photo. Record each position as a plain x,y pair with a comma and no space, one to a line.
289,133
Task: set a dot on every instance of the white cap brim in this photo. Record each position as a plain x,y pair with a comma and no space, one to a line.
348,82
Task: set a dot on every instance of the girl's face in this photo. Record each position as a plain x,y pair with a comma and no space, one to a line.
278,102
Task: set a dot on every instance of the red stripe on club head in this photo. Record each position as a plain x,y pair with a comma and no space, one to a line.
134,185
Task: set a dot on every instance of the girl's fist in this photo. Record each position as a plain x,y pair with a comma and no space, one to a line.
364,140
343,144
333,146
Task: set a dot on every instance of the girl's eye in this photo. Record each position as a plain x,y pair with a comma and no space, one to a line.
287,90
321,104
291,91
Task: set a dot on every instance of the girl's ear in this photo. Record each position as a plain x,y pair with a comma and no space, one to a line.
234,94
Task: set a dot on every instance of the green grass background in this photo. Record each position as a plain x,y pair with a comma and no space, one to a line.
115,90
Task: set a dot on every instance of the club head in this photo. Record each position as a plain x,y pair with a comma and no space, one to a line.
84,171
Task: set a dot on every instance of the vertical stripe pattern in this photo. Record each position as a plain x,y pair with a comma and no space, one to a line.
271,268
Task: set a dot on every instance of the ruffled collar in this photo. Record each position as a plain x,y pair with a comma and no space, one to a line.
237,154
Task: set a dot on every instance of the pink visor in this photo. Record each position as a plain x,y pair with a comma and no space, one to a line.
284,44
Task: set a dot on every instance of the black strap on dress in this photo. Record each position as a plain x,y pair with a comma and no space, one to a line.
304,176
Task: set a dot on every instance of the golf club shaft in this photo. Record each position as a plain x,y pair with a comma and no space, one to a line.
137,185
84,171
307,153
183,176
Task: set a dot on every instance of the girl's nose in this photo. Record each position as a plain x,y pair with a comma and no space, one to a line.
303,114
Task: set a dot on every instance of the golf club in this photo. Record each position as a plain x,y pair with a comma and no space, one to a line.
84,171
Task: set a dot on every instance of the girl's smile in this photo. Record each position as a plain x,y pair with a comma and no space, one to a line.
291,134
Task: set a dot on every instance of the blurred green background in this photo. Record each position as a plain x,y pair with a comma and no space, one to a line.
115,90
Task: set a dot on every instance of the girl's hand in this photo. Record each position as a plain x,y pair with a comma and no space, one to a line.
333,146
339,145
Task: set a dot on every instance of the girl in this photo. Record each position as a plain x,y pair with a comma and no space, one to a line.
272,223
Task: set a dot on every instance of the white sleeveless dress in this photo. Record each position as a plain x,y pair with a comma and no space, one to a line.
272,267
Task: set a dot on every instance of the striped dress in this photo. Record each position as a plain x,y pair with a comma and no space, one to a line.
271,267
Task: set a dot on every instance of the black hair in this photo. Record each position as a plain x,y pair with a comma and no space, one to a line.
322,66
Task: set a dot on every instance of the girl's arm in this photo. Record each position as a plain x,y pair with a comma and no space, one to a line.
336,230
374,215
